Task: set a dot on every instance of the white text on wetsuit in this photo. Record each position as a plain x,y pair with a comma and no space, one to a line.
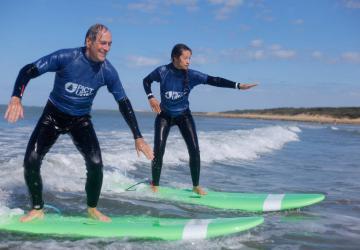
78,89
173,95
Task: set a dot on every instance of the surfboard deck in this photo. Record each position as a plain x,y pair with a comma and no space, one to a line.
138,227
251,202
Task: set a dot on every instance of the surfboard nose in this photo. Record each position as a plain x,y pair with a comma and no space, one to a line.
291,201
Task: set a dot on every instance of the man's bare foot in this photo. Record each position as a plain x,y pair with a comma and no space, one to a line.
32,215
97,215
155,189
199,190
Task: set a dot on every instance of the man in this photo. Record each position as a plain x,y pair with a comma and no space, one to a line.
80,72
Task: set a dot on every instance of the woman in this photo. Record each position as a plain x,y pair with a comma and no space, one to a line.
176,81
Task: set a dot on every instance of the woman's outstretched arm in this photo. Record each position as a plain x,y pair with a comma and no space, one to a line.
224,83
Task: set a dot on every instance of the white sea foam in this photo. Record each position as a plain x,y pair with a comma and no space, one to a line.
5,212
64,168
246,144
230,147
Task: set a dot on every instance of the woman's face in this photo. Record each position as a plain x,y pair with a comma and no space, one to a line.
183,61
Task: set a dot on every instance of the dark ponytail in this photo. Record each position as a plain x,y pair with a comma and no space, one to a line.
176,53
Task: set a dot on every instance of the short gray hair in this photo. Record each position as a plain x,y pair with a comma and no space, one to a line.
94,30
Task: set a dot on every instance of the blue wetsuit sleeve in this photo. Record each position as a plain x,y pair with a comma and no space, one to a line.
56,61
153,76
26,73
196,77
50,63
221,82
129,116
113,83
115,87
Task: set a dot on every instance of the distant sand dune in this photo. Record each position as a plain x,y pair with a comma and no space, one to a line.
300,117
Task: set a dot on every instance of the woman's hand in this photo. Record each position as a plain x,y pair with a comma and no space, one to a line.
245,86
155,105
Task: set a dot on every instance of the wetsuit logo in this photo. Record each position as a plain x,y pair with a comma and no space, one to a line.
173,95
78,89
71,87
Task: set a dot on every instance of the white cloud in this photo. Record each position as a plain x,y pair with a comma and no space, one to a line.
354,94
258,51
298,21
201,59
233,54
226,7
150,6
191,5
182,2
258,54
256,43
277,51
345,57
352,4
141,61
275,47
244,27
284,54
144,6
353,57
317,55
262,11
216,1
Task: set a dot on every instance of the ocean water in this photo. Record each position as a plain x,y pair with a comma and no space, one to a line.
237,155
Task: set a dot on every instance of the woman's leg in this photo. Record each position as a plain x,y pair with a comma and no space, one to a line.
188,131
162,128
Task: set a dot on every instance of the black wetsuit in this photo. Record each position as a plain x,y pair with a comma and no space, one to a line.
185,122
175,86
77,80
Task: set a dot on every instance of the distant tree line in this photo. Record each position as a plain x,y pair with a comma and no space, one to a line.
342,112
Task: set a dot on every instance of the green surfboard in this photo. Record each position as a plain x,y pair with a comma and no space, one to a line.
252,202
137,227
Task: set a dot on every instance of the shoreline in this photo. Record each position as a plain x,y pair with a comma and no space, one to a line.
302,117
299,118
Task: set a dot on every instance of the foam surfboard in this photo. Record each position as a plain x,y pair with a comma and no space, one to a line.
252,202
138,227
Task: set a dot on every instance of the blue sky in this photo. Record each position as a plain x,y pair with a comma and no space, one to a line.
302,53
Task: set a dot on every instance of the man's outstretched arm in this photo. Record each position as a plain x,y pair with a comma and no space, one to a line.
15,109
130,118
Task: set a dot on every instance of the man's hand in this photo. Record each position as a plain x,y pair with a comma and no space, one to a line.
245,86
14,110
142,146
155,105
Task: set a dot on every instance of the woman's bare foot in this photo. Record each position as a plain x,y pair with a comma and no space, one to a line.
155,189
32,215
97,215
199,190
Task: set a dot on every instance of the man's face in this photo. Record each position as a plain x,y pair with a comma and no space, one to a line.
97,50
183,61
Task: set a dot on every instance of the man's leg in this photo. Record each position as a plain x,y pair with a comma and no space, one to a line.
41,140
85,140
